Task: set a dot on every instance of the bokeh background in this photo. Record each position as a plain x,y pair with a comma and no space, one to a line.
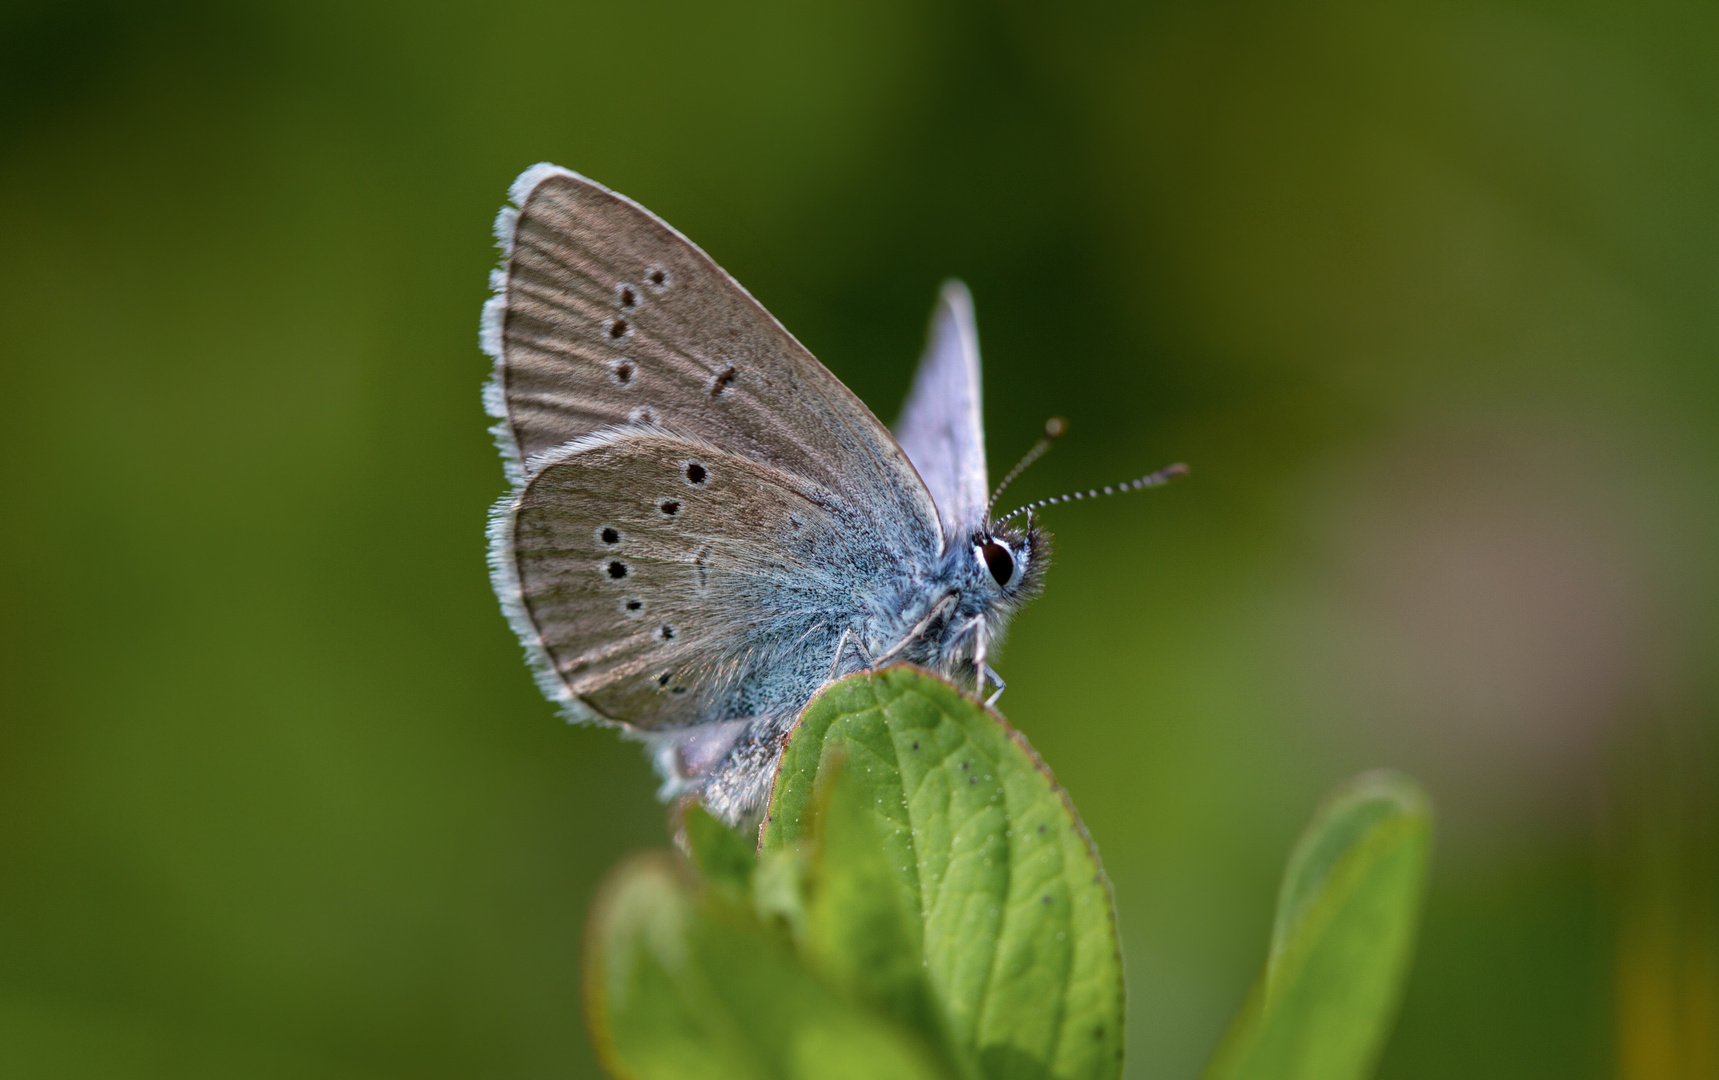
1427,294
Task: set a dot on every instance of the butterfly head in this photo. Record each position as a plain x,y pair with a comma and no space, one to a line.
1001,567
1010,560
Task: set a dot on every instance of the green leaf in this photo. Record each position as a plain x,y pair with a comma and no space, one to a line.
722,854
779,889
857,931
1004,896
1347,915
678,988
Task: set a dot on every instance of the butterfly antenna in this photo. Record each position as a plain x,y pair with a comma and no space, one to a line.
1054,429
1150,480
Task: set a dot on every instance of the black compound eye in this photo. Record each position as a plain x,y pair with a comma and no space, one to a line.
998,560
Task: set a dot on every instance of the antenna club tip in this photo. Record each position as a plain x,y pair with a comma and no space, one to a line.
1055,427
1173,471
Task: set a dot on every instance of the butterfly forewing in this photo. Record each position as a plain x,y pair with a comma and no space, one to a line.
669,583
941,426
607,316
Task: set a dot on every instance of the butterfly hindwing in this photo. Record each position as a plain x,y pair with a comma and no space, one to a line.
663,582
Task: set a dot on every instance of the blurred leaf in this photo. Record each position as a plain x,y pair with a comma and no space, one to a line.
779,889
1347,914
680,988
721,854
1004,895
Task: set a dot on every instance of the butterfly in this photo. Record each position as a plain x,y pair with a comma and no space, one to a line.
705,526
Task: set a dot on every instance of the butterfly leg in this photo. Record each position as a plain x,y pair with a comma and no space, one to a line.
841,648
980,668
841,651
919,628
998,679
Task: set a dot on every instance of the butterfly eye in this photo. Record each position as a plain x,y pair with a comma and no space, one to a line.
998,560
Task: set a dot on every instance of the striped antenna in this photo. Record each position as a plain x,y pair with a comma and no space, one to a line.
1150,480
1054,429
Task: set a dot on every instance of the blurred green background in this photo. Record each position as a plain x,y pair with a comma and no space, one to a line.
1427,293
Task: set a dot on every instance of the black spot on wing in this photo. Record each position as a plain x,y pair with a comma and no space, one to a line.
722,382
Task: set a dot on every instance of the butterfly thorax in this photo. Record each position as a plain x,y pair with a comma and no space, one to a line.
949,616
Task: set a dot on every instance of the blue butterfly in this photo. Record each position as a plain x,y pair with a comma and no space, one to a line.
705,526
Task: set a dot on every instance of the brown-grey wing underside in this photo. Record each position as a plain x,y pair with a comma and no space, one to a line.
666,583
605,315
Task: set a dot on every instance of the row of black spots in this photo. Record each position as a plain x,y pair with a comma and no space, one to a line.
622,370
663,681
610,537
632,607
620,328
695,472
669,508
701,562
627,295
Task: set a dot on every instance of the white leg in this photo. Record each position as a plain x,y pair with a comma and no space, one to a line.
918,628
842,648
980,668
998,679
